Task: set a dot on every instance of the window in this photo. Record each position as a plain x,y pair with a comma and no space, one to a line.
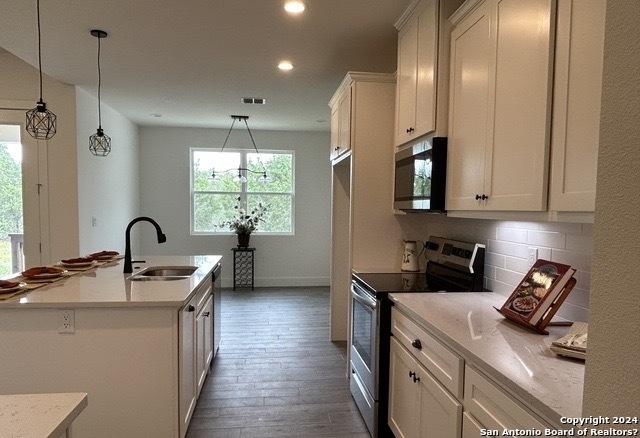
213,200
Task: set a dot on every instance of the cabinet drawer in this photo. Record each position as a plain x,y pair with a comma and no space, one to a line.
492,407
445,365
203,292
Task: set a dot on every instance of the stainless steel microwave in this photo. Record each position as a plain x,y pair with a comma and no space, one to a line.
421,175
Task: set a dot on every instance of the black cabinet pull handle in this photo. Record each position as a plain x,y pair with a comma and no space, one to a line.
412,374
206,314
478,197
417,344
416,379
484,197
191,309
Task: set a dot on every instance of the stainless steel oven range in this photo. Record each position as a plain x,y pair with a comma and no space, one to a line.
452,266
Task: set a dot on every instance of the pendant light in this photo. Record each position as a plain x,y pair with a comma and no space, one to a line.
41,123
241,172
99,143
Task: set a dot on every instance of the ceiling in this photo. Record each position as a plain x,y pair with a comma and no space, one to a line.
193,60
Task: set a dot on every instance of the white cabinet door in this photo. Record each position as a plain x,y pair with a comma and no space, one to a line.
440,413
208,333
425,112
344,113
201,369
187,364
576,107
516,164
335,132
468,109
406,81
404,393
470,427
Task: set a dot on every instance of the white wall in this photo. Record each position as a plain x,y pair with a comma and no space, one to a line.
108,187
300,260
507,249
613,359
19,82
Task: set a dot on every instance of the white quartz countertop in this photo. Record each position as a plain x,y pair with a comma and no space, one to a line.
39,415
519,360
109,287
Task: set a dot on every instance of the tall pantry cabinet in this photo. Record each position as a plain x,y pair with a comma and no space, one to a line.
362,189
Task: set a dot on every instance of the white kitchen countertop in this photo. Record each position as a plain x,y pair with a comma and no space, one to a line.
107,286
519,360
39,415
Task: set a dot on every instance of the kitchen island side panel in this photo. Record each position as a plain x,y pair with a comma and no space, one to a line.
125,359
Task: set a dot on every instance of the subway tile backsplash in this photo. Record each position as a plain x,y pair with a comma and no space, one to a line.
508,244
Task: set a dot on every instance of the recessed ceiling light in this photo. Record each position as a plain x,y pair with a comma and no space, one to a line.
156,115
285,66
294,7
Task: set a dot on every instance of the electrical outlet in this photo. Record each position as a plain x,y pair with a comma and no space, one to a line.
67,322
532,255
94,221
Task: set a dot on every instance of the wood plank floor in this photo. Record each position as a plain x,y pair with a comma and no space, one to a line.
277,374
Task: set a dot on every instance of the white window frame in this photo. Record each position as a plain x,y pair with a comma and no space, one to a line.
243,191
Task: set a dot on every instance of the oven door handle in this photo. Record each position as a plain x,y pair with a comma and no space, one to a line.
367,301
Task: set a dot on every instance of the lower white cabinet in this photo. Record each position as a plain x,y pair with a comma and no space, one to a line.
470,427
187,362
204,348
492,407
196,349
419,406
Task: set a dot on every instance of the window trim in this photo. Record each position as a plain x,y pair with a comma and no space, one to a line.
243,159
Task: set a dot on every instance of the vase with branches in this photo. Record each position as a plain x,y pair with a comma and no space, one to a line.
245,222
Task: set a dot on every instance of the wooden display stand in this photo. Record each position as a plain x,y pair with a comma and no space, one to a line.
546,319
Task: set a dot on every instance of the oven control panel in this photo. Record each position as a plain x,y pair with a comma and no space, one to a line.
463,255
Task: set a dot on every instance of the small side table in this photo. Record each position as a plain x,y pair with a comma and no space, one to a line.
243,267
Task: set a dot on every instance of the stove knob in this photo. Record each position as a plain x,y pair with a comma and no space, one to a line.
417,344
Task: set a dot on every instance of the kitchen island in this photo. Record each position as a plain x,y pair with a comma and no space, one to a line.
141,350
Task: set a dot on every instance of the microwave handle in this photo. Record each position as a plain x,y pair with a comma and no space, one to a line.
367,301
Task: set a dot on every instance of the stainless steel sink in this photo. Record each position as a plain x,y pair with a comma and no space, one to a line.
164,273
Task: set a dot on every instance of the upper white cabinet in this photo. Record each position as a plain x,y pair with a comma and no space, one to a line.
421,88
576,107
499,108
340,122
417,57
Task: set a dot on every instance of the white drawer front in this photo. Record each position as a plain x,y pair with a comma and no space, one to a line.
445,365
492,407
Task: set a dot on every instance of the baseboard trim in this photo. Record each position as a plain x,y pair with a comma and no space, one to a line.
283,282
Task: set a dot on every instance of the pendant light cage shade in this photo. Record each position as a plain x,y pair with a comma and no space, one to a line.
41,123
100,143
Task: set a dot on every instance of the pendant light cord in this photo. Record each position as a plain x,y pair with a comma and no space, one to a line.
39,47
99,86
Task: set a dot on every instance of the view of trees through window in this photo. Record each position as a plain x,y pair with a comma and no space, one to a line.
10,201
214,199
